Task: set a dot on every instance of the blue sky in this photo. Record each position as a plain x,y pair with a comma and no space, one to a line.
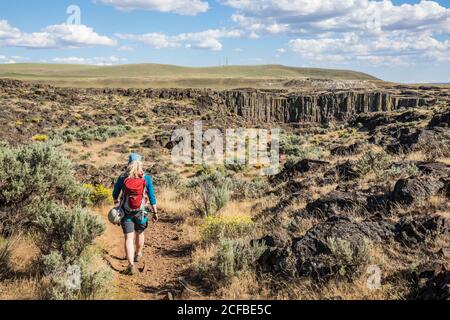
405,41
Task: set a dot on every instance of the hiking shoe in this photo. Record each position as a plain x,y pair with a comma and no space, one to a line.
137,258
130,271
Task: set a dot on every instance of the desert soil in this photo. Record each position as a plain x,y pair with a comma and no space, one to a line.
161,274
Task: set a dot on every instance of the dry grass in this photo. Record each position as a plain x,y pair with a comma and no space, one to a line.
241,208
171,202
203,256
245,287
317,192
20,289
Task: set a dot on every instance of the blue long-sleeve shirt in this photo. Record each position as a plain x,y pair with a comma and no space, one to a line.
148,186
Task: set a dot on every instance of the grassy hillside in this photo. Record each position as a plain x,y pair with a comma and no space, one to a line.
144,75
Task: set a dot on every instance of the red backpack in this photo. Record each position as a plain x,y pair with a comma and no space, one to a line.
133,190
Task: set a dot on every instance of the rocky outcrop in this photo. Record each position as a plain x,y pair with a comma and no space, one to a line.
411,231
298,169
409,191
269,106
254,105
317,254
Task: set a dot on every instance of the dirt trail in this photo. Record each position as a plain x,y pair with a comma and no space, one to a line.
162,272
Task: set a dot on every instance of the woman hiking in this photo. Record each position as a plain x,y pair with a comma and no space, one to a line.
137,198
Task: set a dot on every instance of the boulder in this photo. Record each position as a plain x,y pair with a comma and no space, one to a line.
151,143
432,283
347,171
411,190
336,203
346,150
313,255
435,169
317,259
415,230
440,120
301,167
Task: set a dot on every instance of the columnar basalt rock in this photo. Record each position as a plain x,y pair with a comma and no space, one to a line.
257,105
266,106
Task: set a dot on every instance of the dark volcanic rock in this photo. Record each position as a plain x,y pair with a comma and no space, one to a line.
440,120
298,169
278,239
151,143
412,231
312,255
370,122
277,261
410,138
347,171
346,150
435,169
408,191
432,284
336,203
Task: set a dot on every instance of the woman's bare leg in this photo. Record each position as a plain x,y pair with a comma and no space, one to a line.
129,248
140,241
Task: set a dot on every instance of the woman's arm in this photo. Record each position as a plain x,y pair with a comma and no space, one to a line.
151,193
117,190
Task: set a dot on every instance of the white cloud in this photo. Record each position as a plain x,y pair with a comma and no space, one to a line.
208,39
182,7
386,49
54,36
98,61
351,30
340,15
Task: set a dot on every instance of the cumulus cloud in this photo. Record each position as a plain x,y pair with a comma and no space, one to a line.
339,15
54,36
182,7
386,49
350,30
208,39
98,61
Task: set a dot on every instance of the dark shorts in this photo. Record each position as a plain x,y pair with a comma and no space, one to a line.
129,225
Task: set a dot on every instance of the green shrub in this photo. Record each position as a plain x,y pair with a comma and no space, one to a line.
101,133
291,145
311,152
211,198
215,228
30,174
397,172
373,162
349,257
67,231
85,278
253,189
169,179
211,193
234,257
